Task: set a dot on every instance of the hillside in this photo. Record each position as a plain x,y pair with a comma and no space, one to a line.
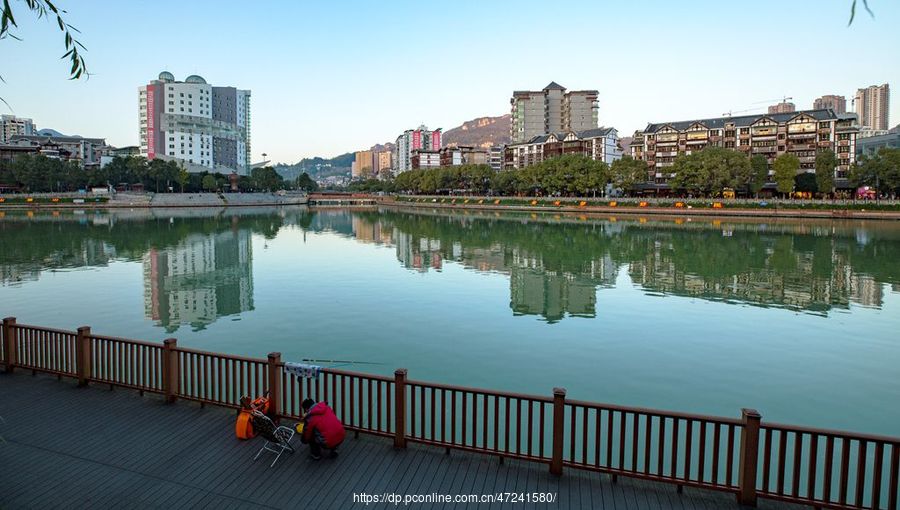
480,132
317,167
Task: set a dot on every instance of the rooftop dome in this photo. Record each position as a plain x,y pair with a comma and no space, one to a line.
194,79
166,76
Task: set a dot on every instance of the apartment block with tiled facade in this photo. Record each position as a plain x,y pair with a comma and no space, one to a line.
800,133
599,144
551,110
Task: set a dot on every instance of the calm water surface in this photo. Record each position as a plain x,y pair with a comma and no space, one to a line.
799,319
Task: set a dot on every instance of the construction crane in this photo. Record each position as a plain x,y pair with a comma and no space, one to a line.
783,99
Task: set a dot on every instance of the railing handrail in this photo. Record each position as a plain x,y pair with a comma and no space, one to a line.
126,340
480,391
843,434
654,412
212,354
42,328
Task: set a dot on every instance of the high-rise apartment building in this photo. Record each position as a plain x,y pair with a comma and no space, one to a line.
836,103
383,161
802,134
872,105
551,110
363,165
412,140
783,107
204,126
11,126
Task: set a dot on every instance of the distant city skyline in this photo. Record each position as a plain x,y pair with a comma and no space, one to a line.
304,63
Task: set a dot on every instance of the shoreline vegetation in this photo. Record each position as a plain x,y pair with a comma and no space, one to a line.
870,209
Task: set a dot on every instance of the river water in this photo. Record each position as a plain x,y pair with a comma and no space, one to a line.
798,319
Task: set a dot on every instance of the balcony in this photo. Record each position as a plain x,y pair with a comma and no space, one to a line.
764,149
802,147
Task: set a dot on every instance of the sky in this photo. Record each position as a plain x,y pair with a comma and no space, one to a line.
333,77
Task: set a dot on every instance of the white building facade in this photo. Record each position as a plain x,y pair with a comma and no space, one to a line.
204,126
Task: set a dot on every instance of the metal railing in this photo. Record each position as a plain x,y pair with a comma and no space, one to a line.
745,457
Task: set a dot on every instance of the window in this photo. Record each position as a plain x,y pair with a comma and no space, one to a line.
781,136
745,131
745,142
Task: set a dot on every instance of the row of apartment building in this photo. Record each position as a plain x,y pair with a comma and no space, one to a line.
771,135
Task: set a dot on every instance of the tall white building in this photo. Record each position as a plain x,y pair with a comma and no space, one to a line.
205,126
11,126
873,107
412,140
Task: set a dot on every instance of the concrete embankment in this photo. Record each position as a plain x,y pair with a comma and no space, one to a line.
774,211
157,200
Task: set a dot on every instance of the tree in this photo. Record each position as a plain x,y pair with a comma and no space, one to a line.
627,172
711,170
825,163
182,178
806,181
46,8
208,182
890,168
305,183
760,168
786,167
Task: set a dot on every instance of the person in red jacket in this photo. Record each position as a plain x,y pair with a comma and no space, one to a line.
321,428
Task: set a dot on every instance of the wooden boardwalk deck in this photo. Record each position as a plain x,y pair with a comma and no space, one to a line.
70,447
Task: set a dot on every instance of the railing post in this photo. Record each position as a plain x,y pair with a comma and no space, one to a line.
171,379
559,413
83,355
400,408
749,457
274,385
9,341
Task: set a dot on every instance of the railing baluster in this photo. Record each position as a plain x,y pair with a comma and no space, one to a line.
812,466
715,457
876,475
648,430
660,445
782,453
572,422
674,467
767,459
530,404
688,440
701,457
484,422
845,471
798,453
829,463
894,477
861,456
635,428
729,468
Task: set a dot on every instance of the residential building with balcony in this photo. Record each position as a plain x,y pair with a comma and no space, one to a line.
836,103
463,155
11,126
551,110
495,156
872,106
383,161
424,158
800,133
412,140
599,144
205,126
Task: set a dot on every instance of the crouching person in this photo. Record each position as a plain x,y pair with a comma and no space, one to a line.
321,429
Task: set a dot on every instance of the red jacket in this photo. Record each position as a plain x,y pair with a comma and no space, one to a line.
321,418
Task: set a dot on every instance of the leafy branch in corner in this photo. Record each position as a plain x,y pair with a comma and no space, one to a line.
46,8
853,10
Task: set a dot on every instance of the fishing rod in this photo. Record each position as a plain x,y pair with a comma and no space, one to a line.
341,361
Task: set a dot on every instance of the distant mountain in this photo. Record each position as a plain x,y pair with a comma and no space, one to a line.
480,132
49,132
317,167
624,142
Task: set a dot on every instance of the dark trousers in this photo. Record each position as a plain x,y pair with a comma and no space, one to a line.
318,444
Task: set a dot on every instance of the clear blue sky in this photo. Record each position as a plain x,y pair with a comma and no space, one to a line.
331,77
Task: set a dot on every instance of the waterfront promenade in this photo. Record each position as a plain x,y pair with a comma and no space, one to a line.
67,442
72,447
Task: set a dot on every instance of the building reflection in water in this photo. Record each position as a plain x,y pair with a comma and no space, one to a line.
556,269
202,278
